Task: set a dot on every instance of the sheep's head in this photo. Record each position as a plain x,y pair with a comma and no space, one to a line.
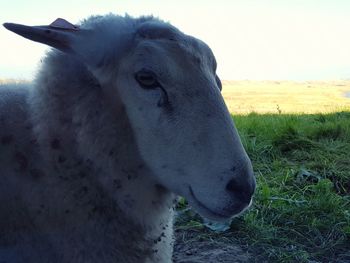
167,82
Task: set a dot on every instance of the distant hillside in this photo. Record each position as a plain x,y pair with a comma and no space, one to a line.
286,96
18,81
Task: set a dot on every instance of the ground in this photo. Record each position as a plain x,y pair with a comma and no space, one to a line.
191,248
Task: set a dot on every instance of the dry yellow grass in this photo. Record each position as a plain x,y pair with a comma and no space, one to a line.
286,96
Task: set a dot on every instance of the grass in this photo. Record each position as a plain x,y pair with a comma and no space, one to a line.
301,211
302,204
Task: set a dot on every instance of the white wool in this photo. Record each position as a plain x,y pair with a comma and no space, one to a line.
91,162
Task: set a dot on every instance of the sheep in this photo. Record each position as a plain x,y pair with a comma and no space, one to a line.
124,115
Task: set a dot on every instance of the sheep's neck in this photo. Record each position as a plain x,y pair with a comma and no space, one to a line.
96,179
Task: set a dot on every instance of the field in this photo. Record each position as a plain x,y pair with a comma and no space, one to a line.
243,97
300,153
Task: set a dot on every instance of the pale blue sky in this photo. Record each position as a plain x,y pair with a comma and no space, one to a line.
261,39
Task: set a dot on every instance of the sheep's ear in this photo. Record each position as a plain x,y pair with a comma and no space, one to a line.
60,34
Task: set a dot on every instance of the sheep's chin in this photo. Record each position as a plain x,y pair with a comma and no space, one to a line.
216,216
203,210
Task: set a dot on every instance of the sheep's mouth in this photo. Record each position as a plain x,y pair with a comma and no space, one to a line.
205,208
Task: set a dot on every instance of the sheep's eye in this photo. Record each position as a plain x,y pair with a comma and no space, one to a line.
147,79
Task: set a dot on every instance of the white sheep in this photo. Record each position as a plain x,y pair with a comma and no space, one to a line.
124,114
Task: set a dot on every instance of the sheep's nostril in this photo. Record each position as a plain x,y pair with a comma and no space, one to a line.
242,191
232,186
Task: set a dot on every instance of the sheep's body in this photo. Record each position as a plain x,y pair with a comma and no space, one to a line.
91,154
54,208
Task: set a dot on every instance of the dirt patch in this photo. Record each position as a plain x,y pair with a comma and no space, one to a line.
191,247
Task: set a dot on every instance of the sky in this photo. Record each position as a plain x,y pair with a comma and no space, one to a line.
251,39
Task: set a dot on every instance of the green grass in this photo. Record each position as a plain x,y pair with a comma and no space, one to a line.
301,210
